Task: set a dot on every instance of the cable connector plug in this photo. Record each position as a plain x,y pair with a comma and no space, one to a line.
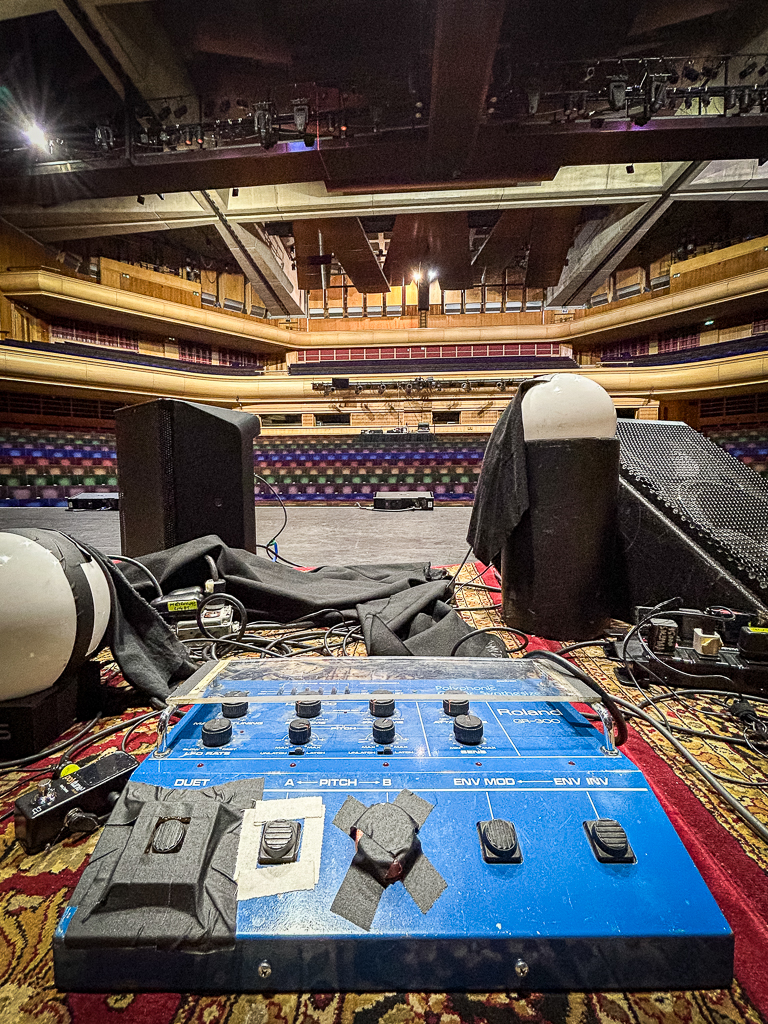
744,711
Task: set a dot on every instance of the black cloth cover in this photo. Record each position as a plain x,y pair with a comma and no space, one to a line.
501,498
183,898
402,607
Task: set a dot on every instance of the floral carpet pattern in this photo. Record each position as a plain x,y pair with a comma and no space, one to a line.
34,891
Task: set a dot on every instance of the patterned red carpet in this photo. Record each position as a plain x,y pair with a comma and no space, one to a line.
34,891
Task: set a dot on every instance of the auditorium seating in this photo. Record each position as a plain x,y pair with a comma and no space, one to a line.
44,467
355,468
749,445
40,466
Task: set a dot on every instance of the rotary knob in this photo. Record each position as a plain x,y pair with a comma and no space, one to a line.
455,702
468,729
234,708
384,730
217,732
382,704
308,708
299,731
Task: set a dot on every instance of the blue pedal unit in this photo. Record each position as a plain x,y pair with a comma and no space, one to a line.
371,824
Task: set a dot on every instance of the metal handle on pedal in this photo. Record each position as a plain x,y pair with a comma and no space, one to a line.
609,747
161,744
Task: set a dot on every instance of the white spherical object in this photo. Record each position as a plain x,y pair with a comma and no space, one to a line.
54,603
567,406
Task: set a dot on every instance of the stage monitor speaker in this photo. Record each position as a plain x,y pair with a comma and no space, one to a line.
693,521
184,471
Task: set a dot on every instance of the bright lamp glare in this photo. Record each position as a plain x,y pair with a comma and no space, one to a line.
36,136
417,275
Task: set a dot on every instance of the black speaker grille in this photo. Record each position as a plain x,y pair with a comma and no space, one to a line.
713,497
167,470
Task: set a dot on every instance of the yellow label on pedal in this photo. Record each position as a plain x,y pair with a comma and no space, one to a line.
182,606
758,629
69,770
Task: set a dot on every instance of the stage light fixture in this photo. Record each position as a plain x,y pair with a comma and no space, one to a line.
708,323
747,100
382,388
103,137
630,168
160,195
748,70
180,111
300,115
140,200
466,386
533,92
164,113
659,98
416,275
235,192
617,93
501,385
224,106
36,136
690,74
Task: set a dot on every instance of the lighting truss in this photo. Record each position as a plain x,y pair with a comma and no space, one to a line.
419,386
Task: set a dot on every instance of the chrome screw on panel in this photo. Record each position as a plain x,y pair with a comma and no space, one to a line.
265,969
521,968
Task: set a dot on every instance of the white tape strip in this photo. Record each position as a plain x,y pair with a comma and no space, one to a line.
254,879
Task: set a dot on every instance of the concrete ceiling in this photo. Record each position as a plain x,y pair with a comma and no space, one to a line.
425,111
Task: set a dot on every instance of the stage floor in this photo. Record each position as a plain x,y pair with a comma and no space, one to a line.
316,535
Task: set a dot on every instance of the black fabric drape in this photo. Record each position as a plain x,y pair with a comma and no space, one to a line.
402,607
501,498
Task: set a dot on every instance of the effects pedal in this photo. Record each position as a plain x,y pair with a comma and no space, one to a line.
77,802
381,824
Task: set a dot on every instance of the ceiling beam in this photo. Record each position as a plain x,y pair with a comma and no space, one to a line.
466,39
258,264
406,247
447,249
308,248
142,48
506,245
345,239
735,180
551,238
595,255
